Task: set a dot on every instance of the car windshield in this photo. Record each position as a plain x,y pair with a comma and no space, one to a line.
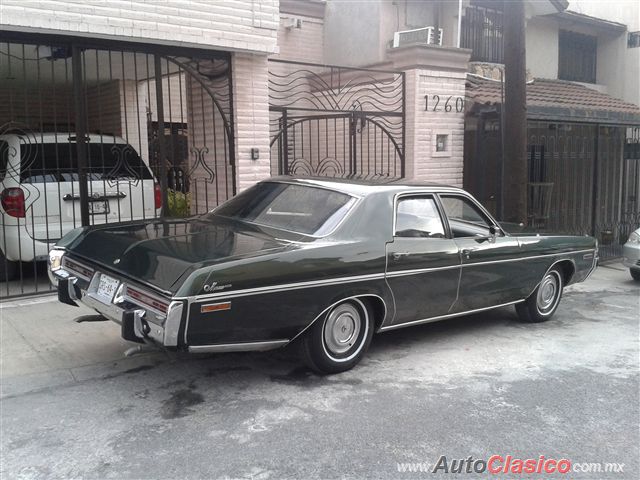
58,162
298,208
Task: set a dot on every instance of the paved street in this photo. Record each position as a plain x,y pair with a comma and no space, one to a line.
72,406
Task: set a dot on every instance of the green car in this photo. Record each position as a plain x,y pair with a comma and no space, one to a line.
319,261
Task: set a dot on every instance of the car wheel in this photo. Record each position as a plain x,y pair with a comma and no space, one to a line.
543,302
8,269
337,341
635,274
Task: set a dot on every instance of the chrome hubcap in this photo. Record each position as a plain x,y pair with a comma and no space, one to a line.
548,292
342,329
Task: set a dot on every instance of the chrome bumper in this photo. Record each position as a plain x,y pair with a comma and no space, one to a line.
138,324
631,255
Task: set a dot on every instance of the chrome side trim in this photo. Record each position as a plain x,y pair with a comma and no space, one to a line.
490,262
356,278
417,271
443,317
238,347
288,286
354,297
527,258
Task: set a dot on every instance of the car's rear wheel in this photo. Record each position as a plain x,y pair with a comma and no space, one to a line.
8,269
337,341
543,302
635,274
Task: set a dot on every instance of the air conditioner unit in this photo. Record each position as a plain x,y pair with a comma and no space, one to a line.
291,23
425,36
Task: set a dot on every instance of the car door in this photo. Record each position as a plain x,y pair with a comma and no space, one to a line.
423,263
491,270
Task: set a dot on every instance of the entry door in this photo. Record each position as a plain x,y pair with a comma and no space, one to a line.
491,271
423,265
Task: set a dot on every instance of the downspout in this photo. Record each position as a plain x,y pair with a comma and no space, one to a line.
459,22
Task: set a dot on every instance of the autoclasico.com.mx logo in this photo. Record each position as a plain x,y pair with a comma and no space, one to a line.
508,464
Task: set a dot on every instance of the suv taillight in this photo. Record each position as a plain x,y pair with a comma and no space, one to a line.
13,202
157,196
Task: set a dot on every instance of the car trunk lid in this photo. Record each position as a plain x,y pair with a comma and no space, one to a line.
160,252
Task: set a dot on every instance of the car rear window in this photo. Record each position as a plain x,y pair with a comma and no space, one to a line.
296,208
58,162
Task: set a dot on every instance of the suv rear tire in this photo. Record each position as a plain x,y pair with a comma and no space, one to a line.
8,269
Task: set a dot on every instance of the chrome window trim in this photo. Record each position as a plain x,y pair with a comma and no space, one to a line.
357,198
435,191
444,317
396,202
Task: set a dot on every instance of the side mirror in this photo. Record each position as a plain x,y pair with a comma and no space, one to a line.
493,230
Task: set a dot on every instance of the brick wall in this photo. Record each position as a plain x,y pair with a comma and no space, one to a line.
423,162
238,24
251,102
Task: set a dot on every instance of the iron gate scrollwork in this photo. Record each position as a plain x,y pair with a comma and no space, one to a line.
336,121
97,132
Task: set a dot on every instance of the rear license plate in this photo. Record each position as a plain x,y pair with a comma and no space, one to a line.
98,207
107,287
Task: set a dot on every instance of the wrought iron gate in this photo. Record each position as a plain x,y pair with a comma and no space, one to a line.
96,132
336,121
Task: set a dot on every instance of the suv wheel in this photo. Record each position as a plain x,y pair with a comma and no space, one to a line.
8,269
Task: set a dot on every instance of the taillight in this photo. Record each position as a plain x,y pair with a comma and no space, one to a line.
157,196
13,202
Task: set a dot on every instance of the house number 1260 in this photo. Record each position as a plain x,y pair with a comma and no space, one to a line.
439,104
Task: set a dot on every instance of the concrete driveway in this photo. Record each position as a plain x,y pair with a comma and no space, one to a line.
72,406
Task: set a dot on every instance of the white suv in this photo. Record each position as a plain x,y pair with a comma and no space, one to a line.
40,194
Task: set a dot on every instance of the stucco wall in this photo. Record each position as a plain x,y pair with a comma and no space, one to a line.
233,24
305,44
542,47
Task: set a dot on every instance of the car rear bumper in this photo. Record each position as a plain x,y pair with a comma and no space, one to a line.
138,322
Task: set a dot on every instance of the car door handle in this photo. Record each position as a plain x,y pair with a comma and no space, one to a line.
399,255
466,253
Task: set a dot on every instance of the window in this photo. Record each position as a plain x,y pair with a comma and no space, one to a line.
482,30
577,57
286,206
418,217
465,218
58,162
633,40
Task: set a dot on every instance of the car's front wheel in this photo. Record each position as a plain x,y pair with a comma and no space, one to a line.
635,274
337,341
543,302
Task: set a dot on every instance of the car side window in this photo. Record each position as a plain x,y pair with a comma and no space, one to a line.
465,218
418,217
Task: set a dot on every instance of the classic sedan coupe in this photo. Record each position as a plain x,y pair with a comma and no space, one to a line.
323,262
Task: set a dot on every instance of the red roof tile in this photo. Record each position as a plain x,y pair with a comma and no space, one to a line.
553,94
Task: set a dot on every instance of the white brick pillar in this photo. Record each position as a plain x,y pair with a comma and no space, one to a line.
251,116
439,74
